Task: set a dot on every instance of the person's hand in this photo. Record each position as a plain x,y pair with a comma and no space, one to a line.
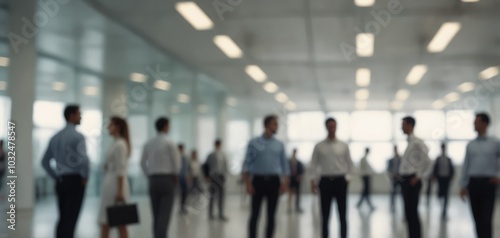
84,182
120,197
250,189
314,188
495,181
463,194
414,180
283,187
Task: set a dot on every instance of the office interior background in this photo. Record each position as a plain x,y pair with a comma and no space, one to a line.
215,68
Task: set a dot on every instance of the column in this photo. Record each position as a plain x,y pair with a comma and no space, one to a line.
21,84
221,116
193,141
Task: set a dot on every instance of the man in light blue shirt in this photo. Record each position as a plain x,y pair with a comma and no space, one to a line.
480,176
265,162
71,172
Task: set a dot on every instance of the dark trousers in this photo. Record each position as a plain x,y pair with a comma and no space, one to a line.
330,188
217,183
161,192
428,190
482,202
444,192
295,184
184,193
70,191
395,185
365,195
411,195
265,187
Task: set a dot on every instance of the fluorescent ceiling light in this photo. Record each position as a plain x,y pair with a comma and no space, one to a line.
438,104
452,97
227,45
361,105
3,85
58,86
231,101
194,15
416,74
183,98
466,87
281,97
91,91
271,87
402,94
4,61
364,3
138,78
363,76
489,73
365,44
290,106
443,37
397,105
202,108
470,0
256,73
362,94
162,85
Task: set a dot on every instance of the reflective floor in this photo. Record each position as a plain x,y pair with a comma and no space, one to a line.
380,223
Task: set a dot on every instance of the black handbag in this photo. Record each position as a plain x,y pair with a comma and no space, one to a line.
122,214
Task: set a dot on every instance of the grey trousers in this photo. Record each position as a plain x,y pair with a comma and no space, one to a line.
161,193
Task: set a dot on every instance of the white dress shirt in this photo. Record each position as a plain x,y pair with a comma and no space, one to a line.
160,157
195,168
365,168
415,159
331,158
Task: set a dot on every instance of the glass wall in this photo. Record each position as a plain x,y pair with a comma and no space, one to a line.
380,130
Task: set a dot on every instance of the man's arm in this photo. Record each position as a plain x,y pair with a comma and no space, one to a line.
46,161
144,161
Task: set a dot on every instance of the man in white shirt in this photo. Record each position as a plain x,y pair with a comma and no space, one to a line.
161,162
217,172
366,172
414,165
443,171
331,162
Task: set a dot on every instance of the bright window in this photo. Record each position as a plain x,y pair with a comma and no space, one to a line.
371,126
306,126
49,114
380,152
456,151
237,136
430,125
304,150
460,124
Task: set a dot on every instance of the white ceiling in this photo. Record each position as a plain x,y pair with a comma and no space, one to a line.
296,42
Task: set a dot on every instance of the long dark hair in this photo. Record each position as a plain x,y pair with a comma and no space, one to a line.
122,126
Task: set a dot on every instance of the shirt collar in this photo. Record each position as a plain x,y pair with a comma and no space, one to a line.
327,140
263,137
482,138
71,126
411,137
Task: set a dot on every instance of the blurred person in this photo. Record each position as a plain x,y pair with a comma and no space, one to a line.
196,175
115,185
366,172
161,162
331,162
443,172
184,179
217,175
480,176
393,172
296,173
68,149
414,165
266,172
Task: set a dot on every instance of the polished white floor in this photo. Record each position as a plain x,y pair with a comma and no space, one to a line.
380,223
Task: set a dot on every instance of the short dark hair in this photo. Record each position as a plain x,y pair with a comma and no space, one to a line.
410,120
161,123
367,149
484,117
443,145
218,142
330,119
70,109
269,118
180,146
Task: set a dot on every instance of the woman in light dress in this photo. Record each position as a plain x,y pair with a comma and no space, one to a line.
115,187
